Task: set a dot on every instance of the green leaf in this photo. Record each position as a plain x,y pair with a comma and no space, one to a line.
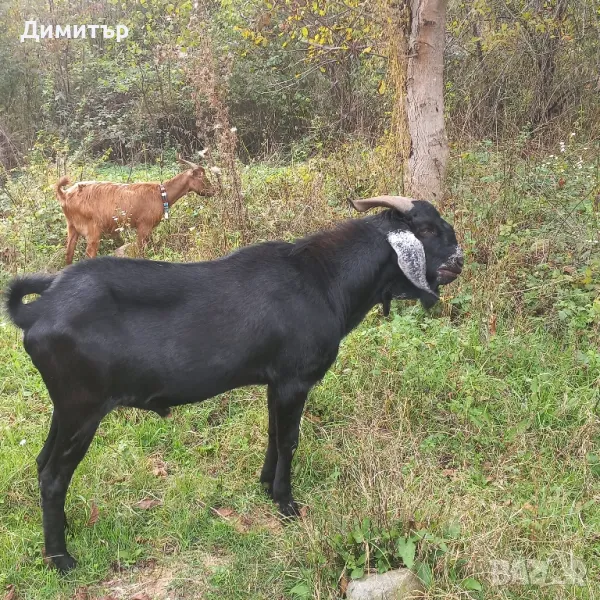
357,573
472,584
594,463
425,574
381,87
453,531
366,525
300,590
406,549
518,429
358,536
304,32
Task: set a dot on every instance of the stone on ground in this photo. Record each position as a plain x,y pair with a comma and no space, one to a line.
400,584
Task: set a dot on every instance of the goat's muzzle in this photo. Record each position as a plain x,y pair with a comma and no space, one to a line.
451,269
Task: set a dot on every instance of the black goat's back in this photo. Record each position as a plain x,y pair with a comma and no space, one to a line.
138,330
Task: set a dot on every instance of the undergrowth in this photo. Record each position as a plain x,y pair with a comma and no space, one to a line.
444,442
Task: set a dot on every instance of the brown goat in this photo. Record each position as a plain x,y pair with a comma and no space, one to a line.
93,208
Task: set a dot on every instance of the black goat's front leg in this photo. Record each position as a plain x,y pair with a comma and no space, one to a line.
289,403
69,448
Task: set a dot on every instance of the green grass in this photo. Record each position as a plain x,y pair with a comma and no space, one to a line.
477,424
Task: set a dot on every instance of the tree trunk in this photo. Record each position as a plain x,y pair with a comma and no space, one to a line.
546,47
428,156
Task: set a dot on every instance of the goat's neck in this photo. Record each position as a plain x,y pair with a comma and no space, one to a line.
177,187
359,271
361,290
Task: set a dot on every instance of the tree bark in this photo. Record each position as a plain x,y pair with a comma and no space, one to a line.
428,155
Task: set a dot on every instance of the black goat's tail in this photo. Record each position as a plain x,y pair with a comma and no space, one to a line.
25,315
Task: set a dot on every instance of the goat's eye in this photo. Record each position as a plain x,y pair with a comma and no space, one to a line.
427,231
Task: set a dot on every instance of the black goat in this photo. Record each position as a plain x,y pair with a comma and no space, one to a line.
153,335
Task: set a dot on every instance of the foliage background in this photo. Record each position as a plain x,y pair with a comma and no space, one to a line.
438,441
297,76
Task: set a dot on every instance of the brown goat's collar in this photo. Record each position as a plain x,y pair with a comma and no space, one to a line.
165,203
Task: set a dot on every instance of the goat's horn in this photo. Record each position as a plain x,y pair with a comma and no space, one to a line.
400,203
187,163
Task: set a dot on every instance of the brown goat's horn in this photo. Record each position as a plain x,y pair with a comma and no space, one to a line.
187,163
400,203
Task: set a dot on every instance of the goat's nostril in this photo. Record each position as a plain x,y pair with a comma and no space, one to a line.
460,261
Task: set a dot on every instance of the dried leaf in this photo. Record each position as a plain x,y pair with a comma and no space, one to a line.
94,515
11,592
148,503
140,596
492,324
449,473
81,594
159,467
225,512
343,584
304,511
312,418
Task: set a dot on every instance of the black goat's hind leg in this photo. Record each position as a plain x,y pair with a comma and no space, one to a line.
289,401
46,451
70,446
267,475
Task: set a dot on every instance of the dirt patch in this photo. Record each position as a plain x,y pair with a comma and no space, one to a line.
255,520
151,580
185,580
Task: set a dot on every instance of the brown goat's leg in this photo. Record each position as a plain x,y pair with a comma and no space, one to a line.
92,247
72,237
143,233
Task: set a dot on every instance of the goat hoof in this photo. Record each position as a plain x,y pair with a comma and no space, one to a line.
64,563
267,486
289,509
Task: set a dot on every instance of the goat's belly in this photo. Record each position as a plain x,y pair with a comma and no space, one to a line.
176,385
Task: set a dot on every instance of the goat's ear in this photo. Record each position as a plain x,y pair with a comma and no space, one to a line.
411,258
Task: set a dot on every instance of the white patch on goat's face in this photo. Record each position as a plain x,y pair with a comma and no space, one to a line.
411,257
456,255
